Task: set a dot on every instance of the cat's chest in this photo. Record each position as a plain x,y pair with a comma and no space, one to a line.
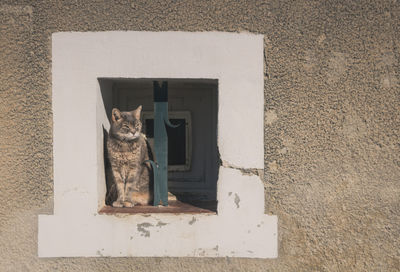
125,155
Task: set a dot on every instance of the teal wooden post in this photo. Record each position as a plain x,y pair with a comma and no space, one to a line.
160,167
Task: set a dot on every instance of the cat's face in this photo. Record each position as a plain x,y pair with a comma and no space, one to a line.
126,125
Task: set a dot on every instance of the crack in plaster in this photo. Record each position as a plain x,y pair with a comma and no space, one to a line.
245,171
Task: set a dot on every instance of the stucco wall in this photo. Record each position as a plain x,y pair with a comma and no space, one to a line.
332,126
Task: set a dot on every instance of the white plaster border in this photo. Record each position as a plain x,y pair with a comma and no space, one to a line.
240,229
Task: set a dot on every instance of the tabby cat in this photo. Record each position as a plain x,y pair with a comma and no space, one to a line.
129,177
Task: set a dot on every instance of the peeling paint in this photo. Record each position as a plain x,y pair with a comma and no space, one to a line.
237,200
119,215
161,224
201,252
191,222
142,228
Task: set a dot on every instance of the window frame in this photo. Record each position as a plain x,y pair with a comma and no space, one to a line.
76,229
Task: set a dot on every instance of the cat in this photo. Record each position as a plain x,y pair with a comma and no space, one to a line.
129,176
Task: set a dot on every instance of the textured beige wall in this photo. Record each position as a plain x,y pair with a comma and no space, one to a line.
332,126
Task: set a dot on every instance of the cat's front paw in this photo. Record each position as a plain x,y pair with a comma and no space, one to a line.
117,204
128,204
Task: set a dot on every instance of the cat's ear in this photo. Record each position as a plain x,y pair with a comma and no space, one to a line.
116,115
136,113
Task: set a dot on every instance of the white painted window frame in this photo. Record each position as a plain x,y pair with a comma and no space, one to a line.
239,229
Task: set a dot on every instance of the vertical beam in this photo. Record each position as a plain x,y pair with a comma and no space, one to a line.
160,143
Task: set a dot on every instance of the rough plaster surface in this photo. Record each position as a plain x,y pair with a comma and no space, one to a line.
332,153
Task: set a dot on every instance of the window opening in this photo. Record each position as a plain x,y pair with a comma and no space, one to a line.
192,147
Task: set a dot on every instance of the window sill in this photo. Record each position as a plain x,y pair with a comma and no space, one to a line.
175,207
